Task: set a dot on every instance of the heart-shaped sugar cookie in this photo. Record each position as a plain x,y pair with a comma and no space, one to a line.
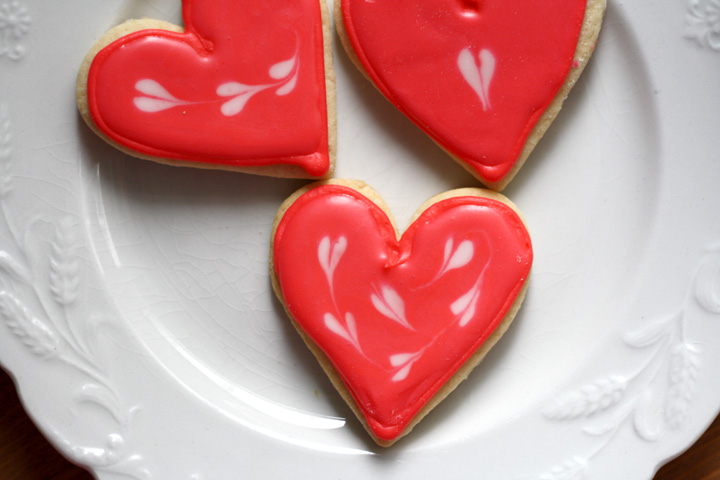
483,78
398,322
246,85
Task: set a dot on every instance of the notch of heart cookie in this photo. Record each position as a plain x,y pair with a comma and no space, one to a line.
398,322
244,86
483,79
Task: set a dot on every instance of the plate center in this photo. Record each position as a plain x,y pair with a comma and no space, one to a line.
185,255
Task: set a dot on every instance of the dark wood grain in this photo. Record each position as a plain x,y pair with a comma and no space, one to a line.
26,455
700,462
24,452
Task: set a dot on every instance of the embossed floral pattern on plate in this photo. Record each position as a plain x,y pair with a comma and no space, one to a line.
703,23
14,25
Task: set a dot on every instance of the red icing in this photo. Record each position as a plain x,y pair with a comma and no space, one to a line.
411,51
439,291
276,115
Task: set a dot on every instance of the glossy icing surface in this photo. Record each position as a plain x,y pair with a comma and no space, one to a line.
244,85
398,317
476,75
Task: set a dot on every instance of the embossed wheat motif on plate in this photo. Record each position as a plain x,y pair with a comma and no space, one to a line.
39,305
6,138
657,396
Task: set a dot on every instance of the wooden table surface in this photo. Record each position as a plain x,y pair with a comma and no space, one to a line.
26,455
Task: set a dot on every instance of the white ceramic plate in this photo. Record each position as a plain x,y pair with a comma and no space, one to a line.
137,316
